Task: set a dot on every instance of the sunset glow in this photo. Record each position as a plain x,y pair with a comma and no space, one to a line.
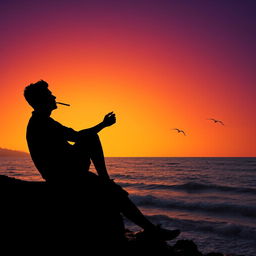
158,65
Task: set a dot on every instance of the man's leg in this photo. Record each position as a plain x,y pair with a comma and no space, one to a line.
97,157
132,212
91,145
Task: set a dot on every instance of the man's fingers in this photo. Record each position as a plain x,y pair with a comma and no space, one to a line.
110,113
110,118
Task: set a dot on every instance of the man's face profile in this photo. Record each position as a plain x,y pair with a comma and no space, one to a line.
46,100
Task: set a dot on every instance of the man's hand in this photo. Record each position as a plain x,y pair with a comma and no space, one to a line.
109,119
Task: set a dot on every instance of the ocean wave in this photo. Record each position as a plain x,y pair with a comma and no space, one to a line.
235,169
191,187
225,229
194,186
170,163
226,209
11,168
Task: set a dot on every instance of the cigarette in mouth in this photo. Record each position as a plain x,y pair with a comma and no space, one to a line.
61,103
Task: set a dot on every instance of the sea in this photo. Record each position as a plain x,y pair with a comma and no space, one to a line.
211,200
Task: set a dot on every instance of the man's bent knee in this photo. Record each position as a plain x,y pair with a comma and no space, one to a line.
88,138
87,141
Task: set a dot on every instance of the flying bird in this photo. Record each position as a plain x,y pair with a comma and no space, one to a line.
216,121
179,130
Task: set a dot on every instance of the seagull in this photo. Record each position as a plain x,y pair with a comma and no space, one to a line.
216,121
179,130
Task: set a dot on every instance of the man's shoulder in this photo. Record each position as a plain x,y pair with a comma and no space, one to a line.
37,122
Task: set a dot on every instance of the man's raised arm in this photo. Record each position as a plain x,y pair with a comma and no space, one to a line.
108,120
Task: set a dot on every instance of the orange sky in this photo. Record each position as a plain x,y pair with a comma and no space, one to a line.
157,70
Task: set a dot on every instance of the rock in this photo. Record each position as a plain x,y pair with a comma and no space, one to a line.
146,246
214,254
186,248
39,218
56,219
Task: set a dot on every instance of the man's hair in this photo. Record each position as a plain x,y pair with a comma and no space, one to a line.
35,92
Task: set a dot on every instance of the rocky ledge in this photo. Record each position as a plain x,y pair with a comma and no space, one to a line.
38,218
180,248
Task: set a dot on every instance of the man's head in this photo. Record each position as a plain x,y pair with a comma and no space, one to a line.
39,96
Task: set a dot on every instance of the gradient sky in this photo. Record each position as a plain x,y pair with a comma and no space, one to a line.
157,64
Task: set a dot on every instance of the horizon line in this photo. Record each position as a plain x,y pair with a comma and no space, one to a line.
20,151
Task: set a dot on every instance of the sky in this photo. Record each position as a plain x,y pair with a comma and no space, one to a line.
158,65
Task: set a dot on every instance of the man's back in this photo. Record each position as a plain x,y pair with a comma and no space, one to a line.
49,148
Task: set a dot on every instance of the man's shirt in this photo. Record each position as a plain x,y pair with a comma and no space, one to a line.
49,148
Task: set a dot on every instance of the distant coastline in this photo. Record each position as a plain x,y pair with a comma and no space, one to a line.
12,153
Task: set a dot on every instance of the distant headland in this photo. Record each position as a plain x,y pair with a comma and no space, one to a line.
9,152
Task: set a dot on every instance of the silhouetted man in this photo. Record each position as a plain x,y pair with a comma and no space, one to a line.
59,162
